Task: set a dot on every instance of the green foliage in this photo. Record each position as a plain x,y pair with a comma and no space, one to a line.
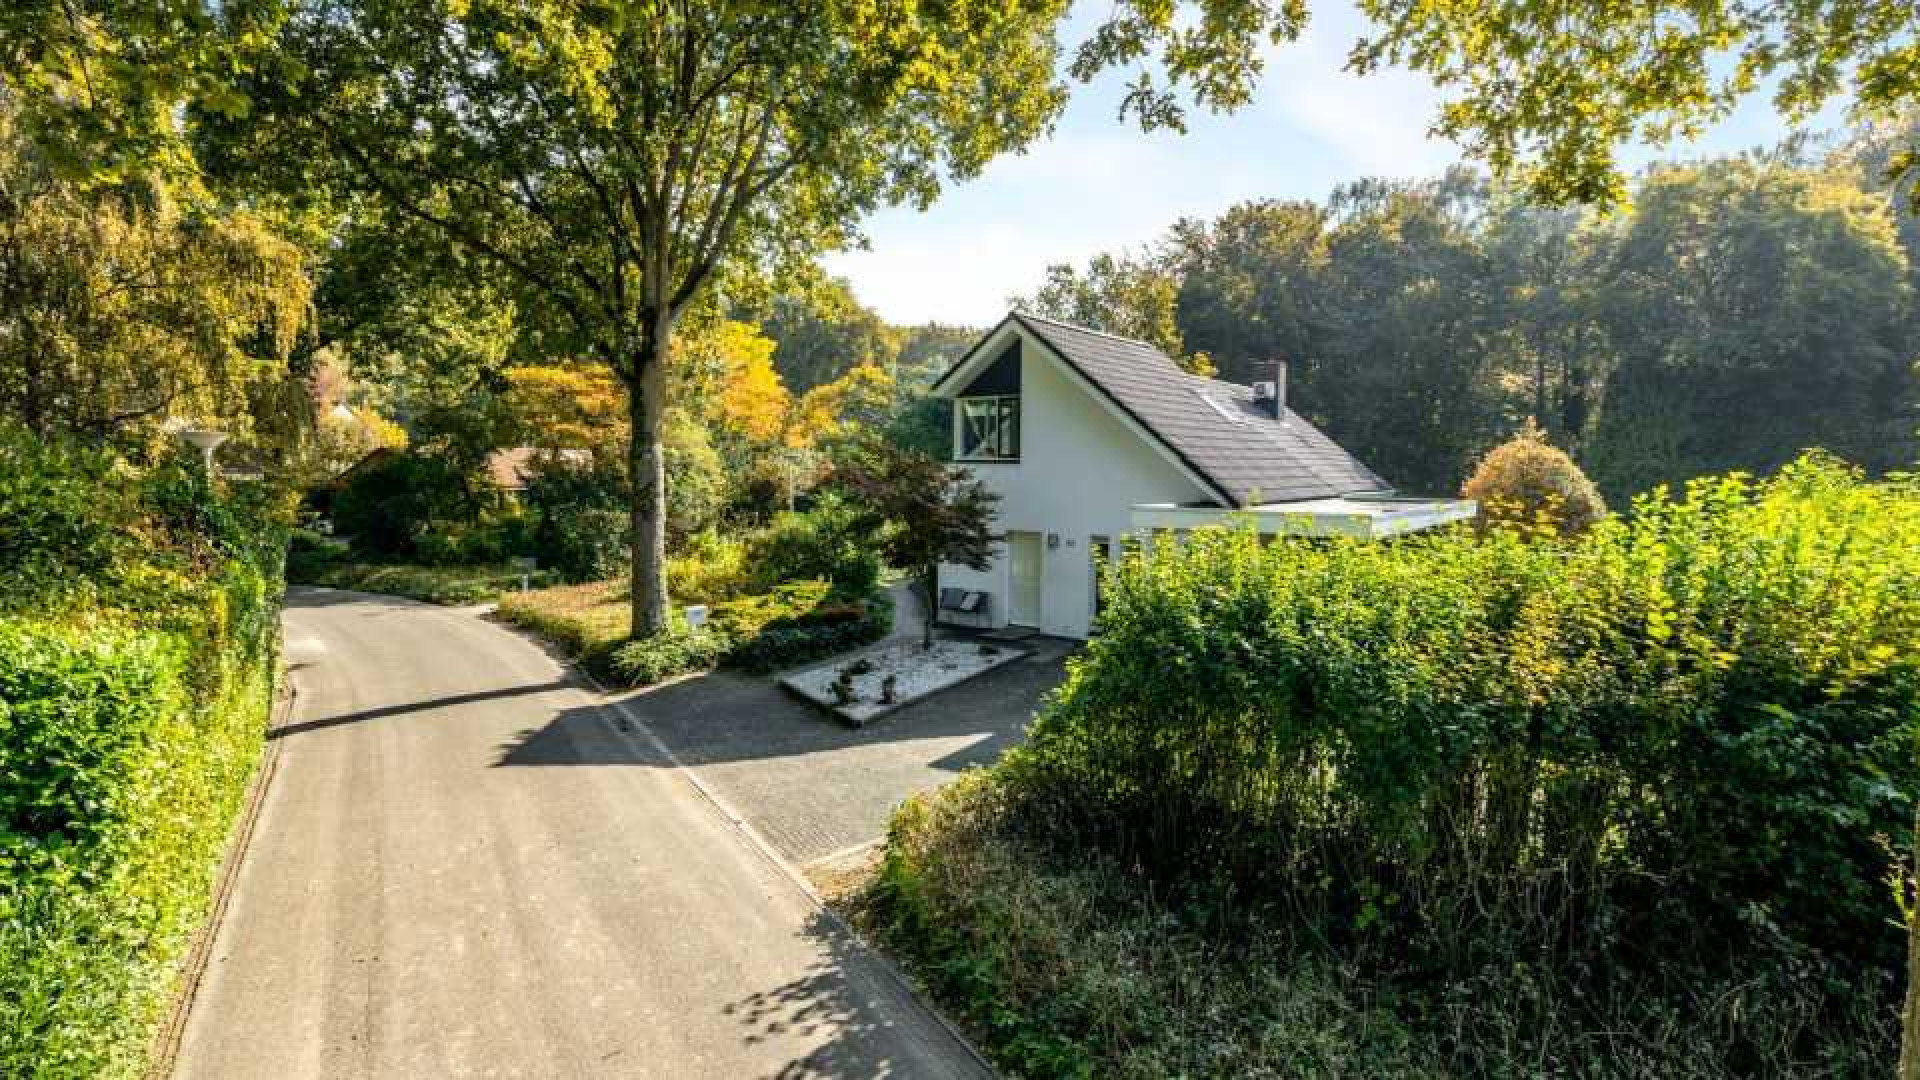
583,519
53,531
99,84
823,333
1752,311
917,513
1061,960
391,503
665,656
1635,788
709,567
1741,311
1527,481
824,542
1549,93
662,656
923,425
132,706
804,636
120,306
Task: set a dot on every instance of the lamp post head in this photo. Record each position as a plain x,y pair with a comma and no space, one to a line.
204,440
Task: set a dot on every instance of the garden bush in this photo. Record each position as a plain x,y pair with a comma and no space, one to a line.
583,517
819,544
131,717
707,568
677,652
1527,482
388,505
60,523
1622,805
823,631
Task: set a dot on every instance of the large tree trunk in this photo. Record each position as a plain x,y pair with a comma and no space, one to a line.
646,405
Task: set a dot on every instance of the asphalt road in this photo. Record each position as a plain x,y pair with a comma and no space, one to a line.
466,867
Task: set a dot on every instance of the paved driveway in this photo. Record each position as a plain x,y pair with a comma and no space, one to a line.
814,788
465,867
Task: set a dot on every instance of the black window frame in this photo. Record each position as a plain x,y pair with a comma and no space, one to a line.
1006,428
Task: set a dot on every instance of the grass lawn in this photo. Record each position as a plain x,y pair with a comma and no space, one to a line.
585,620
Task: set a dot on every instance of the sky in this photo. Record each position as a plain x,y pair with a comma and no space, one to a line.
1097,184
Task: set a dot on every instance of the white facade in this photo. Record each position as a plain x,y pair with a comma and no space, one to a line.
1083,467
1076,473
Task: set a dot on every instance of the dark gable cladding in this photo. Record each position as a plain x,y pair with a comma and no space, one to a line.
1215,427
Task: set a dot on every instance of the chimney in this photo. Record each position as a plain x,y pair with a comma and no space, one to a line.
1280,388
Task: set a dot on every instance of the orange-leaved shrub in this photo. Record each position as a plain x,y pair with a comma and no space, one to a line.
1528,482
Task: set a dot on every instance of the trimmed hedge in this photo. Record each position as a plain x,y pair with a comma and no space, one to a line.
131,719
1626,804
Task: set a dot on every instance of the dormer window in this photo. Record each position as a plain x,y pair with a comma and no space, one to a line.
989,428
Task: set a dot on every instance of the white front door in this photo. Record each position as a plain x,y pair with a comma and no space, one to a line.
1024,550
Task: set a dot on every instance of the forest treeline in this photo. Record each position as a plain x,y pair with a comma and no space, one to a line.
1741,310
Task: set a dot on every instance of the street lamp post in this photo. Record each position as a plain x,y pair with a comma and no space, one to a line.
206,441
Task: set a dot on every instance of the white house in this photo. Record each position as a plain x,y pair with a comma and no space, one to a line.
1089,438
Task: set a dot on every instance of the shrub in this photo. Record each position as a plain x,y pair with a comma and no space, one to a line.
310,555
696,476
677,652
812,635
578,618
461,584
388,505
131,716
819,544
708,568
62,516
791,624
1527,481
1633,787
584,526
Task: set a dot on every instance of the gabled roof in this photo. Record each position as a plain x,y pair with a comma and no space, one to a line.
1215,428
511,468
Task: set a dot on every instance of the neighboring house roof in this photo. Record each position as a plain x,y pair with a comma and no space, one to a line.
509,469
367,461
1245,453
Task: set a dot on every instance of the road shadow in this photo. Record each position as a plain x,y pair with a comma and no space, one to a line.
873,1026
427,705
581,735
725,716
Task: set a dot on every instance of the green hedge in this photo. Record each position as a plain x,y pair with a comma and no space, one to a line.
1637,793
131,718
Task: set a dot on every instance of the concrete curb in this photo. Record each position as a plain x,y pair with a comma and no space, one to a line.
164,1049
634,726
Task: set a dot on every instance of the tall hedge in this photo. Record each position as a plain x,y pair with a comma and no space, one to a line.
133,702
1678,752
